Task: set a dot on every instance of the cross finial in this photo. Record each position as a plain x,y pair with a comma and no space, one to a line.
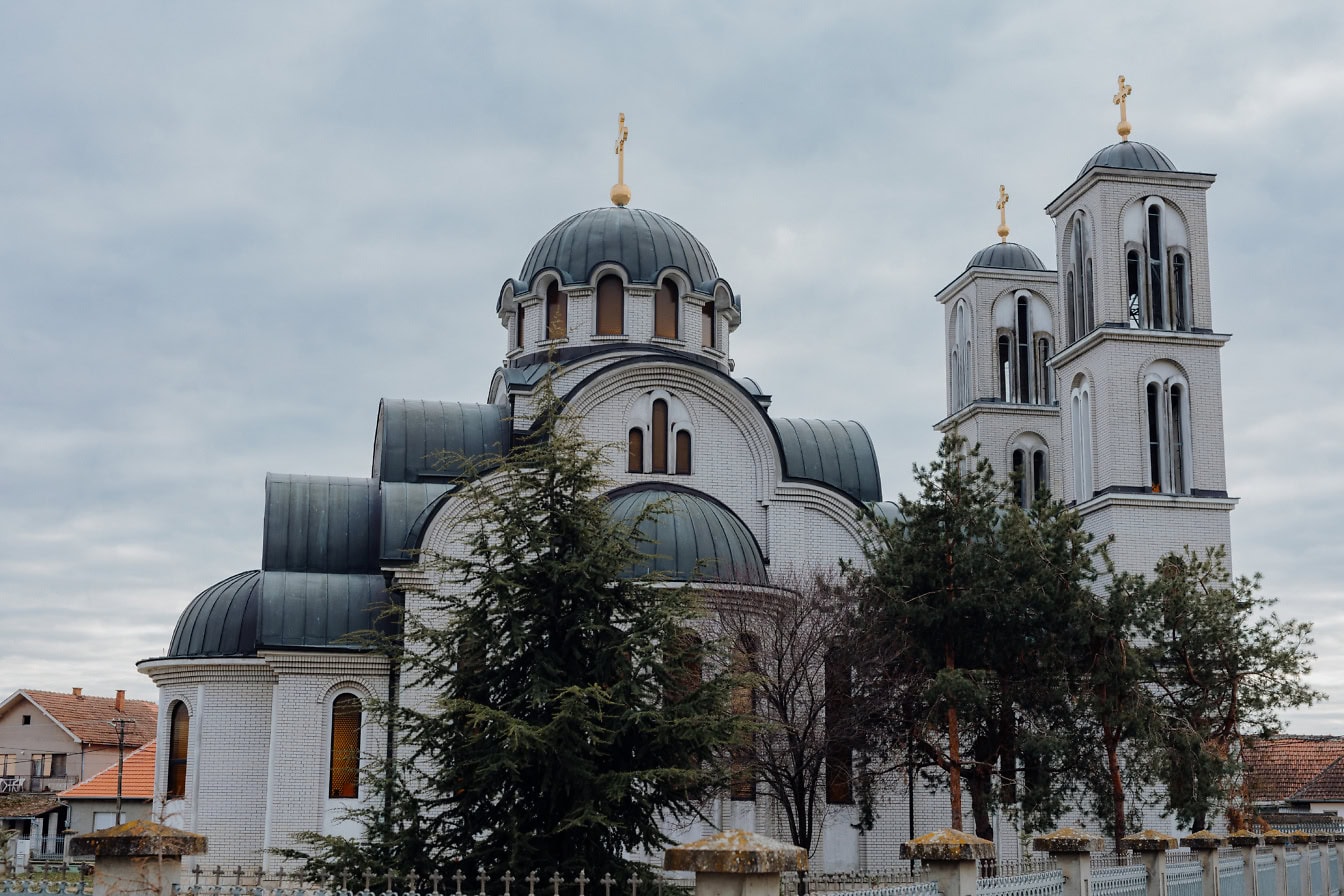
1119,99
620,194
1002,206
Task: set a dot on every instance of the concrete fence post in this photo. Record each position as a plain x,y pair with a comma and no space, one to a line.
1246,841
1205,845
1072,850
1278,841
1152,849
138,858
1302,840
950,858
734,863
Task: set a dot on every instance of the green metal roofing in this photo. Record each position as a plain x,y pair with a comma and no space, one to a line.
322,524
1011,256
837,453
419,440
693,538
279,610
1129,154
404,516
643,242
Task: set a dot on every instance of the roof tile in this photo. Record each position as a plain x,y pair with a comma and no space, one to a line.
1279,767
88,717
137,780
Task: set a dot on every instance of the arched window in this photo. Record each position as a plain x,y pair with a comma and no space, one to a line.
346,721
683,466
557,312
1006,368
1023,347
708,337
666,305
1157,268
1134,286
963,382
1079,283
659,427
179,736
1080,402
519,327
1166,404
839,742
636,445
610,306
1031,472
1045,378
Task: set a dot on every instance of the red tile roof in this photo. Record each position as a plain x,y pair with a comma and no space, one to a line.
137,779
88,718
1327,787
27,805
1278,767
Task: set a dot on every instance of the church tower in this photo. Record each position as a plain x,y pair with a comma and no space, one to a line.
1132,419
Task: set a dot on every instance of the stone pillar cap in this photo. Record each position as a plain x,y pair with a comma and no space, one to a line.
1203,840
1322,837
1244,838
1068,840
141,838
1148,841
1300,837
736,852
947,845
1274,837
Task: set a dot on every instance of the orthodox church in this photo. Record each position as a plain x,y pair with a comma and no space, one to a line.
1098,380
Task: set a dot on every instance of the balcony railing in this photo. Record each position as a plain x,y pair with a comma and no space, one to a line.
36,783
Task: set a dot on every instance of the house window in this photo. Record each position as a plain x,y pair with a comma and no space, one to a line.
27,720
636,445
683,465
666,304
9,764
839,745
610,306
557,312
179,724
1080,401
742,702
346,721
1168,432
708,337
519,321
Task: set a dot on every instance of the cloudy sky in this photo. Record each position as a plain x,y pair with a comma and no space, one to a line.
226,231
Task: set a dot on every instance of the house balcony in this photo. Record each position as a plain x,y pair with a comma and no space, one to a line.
36,783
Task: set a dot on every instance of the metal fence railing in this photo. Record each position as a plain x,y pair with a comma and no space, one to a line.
1185,879
1293,865
1120,880
1232,876
1039,883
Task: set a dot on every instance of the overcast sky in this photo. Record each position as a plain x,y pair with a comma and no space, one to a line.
226,231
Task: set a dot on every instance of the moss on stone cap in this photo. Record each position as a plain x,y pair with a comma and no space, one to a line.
1274,837
1203,840
736,852
1300,837
947,845
1067,840
1148,841
1244,838
141,838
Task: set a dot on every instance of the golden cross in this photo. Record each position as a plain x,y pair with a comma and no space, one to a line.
620,193
1119,99
1002,206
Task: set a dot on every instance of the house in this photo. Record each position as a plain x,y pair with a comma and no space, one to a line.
1295,774
92,804
49,742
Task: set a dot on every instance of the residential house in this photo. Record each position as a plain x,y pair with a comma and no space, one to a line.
92,804
1294,775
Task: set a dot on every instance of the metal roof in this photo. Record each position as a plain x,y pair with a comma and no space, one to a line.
430,439
326,524
403,517
643,242
1129,154
1012,256
693,538
254,610
838,453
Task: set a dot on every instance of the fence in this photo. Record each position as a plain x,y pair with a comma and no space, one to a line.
1120,880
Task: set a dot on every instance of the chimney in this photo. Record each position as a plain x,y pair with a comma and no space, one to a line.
78,692
121,700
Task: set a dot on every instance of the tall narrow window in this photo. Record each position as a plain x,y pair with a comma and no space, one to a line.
1080,402
179,730
557,312
1180,293
636,445
1044,377
1177,439
1023,351
665,307
1089,297
610,306
1154,437
521,327
962,375
1005,368
708,338
742,702
1079,280
1071,300
1156,276
1023,481
346,720
839,744
659,460
683,453
1039,473
1134,285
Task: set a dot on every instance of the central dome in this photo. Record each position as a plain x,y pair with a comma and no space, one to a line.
1129,154
643,242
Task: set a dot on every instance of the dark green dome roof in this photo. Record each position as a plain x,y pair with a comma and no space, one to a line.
221,620
695,538
1129,154
643,242
1011,256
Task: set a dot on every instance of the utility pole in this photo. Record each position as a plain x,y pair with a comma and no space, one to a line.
120,725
